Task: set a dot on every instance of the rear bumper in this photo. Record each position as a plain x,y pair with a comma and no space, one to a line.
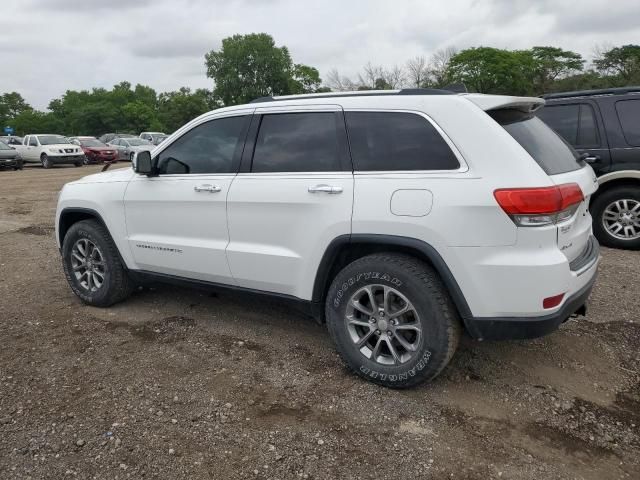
514,328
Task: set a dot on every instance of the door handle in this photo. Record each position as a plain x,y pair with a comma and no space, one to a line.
207,188
325,189
590,159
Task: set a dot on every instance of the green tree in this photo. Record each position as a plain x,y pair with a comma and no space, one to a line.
252,66
622,62
11,105
552,63
493,70
304,79
33,121
179,107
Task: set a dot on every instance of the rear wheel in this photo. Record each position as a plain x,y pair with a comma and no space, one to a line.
46,161
92,265
616,217
392,320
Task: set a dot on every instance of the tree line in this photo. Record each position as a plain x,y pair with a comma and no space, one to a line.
251,66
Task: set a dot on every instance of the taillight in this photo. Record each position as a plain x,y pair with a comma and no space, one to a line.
531,207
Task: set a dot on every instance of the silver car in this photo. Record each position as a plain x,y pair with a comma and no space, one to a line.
127,147
9,157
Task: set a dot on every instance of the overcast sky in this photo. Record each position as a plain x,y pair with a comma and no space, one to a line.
50,46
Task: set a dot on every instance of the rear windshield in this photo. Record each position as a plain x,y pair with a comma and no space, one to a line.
551,151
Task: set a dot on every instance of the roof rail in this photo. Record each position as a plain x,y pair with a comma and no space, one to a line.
588,93
361,93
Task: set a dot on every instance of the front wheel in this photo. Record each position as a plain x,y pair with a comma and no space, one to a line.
46,161
92,265
392,320
616,217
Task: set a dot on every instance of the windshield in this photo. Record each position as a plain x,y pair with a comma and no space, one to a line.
546,147
135,142
91,142
4,146
52,139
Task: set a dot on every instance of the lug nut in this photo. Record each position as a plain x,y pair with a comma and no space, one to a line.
377,332
389,332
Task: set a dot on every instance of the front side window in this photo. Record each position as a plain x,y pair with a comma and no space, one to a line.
33,142
208,148
297,142
629,115
383,141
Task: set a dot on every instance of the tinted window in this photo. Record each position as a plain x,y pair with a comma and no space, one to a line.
587,129
297,142
563,119
629,115
397,141
546,147
207,148
33,142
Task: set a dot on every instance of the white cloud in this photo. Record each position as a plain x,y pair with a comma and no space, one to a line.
49,46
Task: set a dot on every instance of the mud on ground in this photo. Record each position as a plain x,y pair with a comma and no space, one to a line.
177,383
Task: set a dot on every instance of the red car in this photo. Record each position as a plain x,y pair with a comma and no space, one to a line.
95,151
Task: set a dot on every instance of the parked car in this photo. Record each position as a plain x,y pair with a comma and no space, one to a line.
49,150
108,137
604,126
94,150
158,139
11,140
9,157
441,213
154,137
127,147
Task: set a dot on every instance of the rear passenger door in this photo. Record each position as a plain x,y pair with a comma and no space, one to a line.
292,197
580,124
403,165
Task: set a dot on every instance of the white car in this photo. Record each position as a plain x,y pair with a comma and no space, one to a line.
154,137
401,218
49,150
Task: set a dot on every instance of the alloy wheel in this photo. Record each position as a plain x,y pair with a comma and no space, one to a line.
383,325
621,219
88,265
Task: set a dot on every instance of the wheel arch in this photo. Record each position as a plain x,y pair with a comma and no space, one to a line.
71,215
347,248
622,178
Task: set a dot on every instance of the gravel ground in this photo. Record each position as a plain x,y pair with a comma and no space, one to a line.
177,383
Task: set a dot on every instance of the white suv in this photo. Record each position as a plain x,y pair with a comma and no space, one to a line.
401,218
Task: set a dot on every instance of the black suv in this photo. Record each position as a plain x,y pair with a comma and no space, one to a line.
604,126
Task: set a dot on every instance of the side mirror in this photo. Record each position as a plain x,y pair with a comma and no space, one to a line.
142,163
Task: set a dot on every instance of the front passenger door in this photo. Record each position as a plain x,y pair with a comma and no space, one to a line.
177,220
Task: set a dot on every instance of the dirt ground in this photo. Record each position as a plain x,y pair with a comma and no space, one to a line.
184,384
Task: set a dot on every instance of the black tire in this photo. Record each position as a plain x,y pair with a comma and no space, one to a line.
86,161
421,286
78,164
46,162
598,207
117,285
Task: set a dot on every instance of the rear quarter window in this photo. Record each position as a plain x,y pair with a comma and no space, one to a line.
386,141
546,147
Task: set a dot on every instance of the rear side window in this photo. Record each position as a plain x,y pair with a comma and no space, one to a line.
629,115
297,142
546,147
575,123
397,141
